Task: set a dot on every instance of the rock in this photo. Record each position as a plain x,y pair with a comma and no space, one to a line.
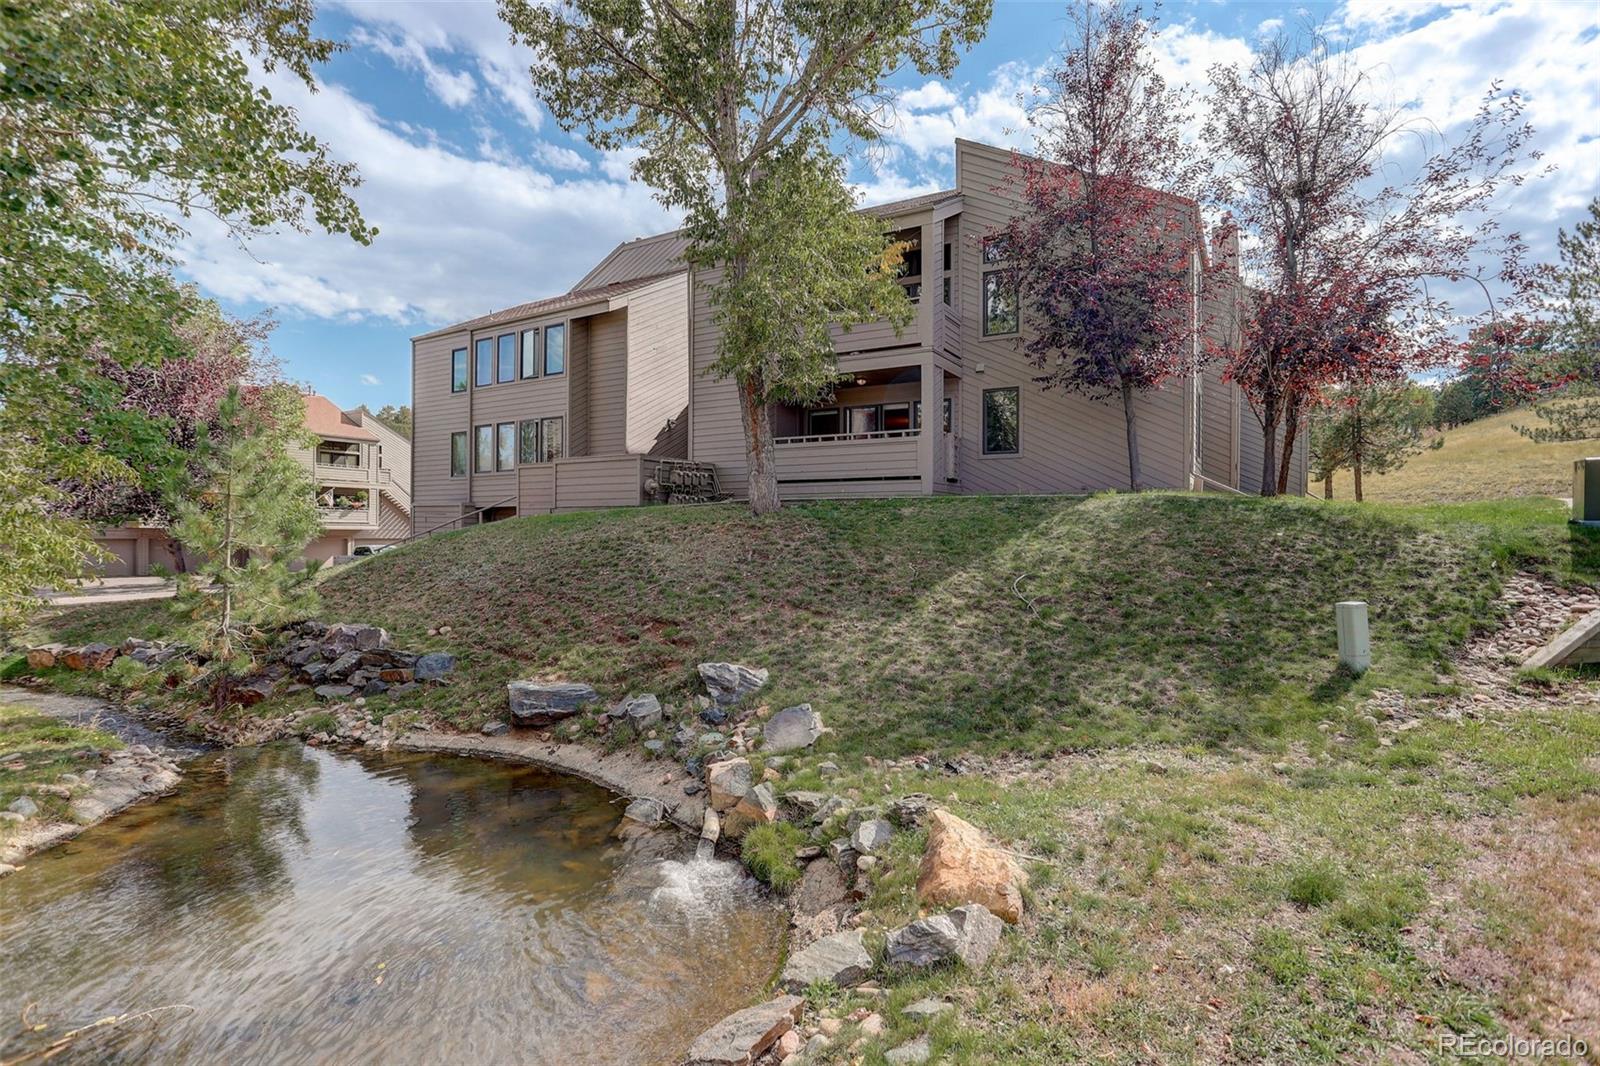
791,729
656,747
757,807
829,1026
831,806
432,666
727,782
45,655
816,1046
314,672
728,683
960,866
912,1051
871,836
401,690
645,811
871,1025
375,687
12,816
927,1008
967,933
788,1044
542,703
94,656
828,769
304,656
804,802
909,812
344,665
251,692
821,888
333,692
395,675
342,637
741,1037
24,806
713,715
841,958
641,712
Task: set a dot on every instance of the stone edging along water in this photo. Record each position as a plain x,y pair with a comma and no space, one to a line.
626,773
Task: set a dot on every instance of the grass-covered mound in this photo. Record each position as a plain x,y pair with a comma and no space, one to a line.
1153,618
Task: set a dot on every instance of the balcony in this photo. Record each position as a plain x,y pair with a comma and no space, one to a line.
849,464
346,517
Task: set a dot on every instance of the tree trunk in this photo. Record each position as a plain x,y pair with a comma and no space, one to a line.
1355,453
1269,446
1356,469
761,460
1133,437
1291,430
1327,486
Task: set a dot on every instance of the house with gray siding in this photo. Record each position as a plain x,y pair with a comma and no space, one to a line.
629,407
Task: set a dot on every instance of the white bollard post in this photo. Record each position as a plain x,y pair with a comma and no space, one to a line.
1355,646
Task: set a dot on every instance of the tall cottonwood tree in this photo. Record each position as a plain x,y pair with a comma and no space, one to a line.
121,121
1106,243
1355,227
734,106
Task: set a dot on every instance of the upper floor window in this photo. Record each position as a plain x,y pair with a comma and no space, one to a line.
458,454
530,353
947,256
823,421
1002,417
507,363
1000,311
458,370
483,455
555,349
996,249
338,453
483,355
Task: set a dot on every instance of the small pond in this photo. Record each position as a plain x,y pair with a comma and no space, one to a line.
310,907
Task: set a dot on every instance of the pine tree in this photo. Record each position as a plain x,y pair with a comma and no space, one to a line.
249,523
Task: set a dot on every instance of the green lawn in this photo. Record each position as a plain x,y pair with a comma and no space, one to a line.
1160,618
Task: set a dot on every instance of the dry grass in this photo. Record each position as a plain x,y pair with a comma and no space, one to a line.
1484,460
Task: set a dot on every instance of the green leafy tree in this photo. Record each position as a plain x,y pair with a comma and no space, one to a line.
249,523
44,546
1455,406
396,418
121,122
1372,429
1573,369
734,107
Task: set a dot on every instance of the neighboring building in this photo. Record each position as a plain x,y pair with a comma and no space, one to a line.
947,405
362,470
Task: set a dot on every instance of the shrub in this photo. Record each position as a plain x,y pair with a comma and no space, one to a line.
319,722
768,853
1315,884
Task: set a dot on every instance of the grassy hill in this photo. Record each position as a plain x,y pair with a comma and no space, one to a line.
1016,624
1483,460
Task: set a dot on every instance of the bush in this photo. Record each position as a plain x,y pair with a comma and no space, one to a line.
319,722
768,853
1315,884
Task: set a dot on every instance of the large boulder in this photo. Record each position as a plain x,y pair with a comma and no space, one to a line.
432,667
342,637
334,692
841,958
640,712
344,665
252,691
728,683
871,837
791,729
961,866
742,1037
645,811
757,807
727,782
542,703
968,934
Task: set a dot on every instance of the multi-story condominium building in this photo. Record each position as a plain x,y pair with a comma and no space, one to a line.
362,471
600,396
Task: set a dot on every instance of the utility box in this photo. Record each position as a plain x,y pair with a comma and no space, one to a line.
1586,490
1355,642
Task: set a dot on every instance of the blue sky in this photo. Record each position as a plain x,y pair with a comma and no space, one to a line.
481,201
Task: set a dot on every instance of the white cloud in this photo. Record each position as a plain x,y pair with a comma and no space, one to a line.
453,88
370,379
932,96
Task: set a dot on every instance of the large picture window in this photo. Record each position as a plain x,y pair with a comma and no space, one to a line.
506,445
1000,303
483,355
530,353
507,370
458,370
458,452
483,455
555,349
1001,421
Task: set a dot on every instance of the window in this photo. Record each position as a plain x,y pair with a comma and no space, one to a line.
458,370
555,349
999,303
530,353
949,412
996,249
506,445
528,441
947,256
550,439
483,458
1000,421
338,453
947,290
823,421
485,360
863,419
916,414
911,263
895,417
508,357
458,452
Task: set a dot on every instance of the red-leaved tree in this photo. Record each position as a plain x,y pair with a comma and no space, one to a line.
1357,222
1105,245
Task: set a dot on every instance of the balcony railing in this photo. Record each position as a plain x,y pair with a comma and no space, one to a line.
345,517
824,438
